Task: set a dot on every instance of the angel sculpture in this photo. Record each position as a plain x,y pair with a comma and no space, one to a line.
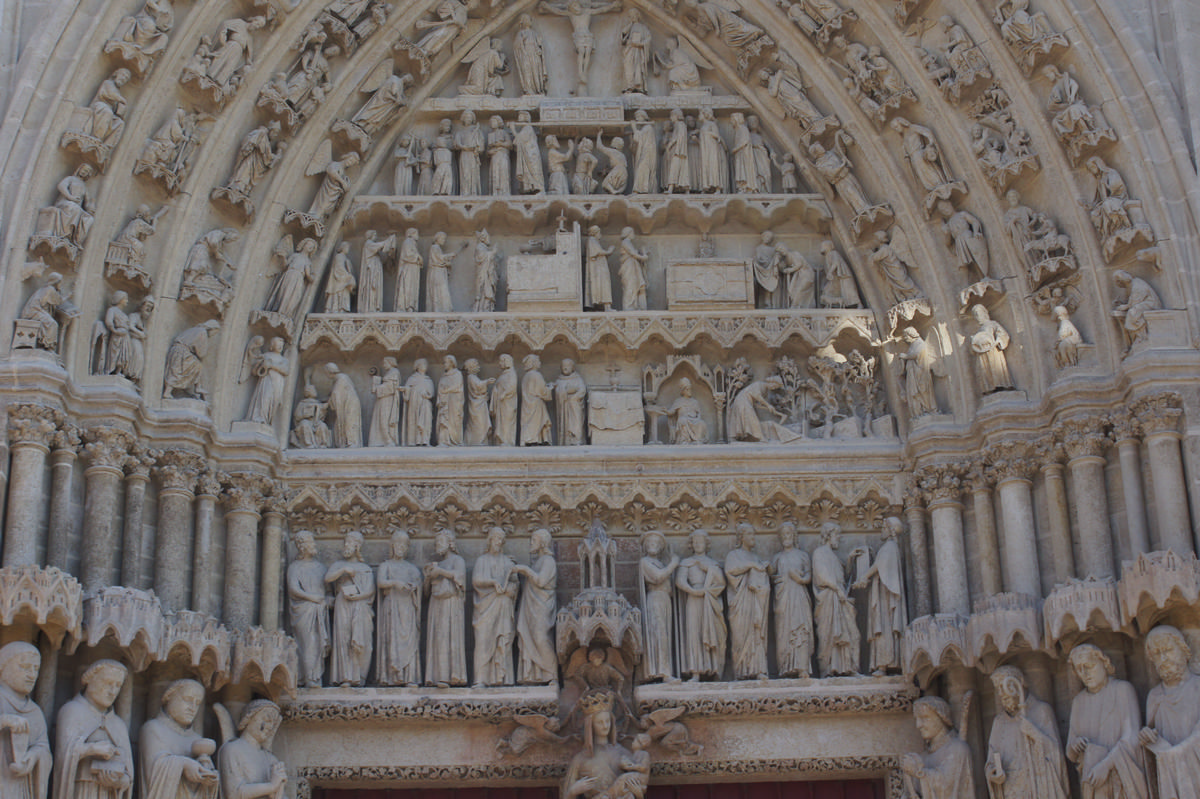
531,729
488,68
918,366
662,725
333,187
722,18
451,21
387,98
288,294
682,64
597,667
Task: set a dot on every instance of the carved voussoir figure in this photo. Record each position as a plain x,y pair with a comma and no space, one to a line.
167,154
208,271
386,101
258,152
184,372
219,65
140,39
989,343
43,316
1130,310
1027,32
64,227
95,129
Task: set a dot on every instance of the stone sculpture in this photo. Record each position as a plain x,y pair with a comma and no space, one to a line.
443,160
184,372
687,422
632,273
530,178
113,340
583,181
656,586
744,424
64,226
219,72
644,146
94,759
488,66
917,364
1130,309
140,39
406,155
418,406
288,293
748,588
1067,338
503,403
943,771
1080,129
309,429
570,394
334,185
408,276
340,285
126,253
536,660
1102,740
1112,209
580,13
353,584
398,638
1029,32
437,275
1172,715
834,167
925,158
799,276
208,271
791,574
175,760
745,170
989,343
451,400
25,759
246,764
635,52
535,414
886,613
450,22
166,154
839,289
478,419
556,165
702,633
837,625
385,415
1025,757
470,143
616,177
604,768
271,368
374,252
445,642
676,168
500,144
487,273
96,129
964,233
713,167
347,410
308,610
529,57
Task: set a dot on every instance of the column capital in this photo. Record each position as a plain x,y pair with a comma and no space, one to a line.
1084,437
1050,452
30,423
941,482
107,447
1010,460
178,470
1158,413
1124,426
209,483
245,492
138,462
977,475
66,439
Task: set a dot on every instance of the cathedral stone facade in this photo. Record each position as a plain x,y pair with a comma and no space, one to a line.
600,398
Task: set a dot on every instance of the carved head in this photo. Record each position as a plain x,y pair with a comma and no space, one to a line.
737,118
699,541
594,231
120,299
496,122
676,114
685,387
787,534
640,115
540,541
980,313
102,682
831,534
467,118
1122,278
892,528
276,344
524,115
411,233
745,536
506,361
495,540
1092,667
332,369
182,701
449,363
19,664
444,126
352,545
568,366
444,542
932,715
551,142
532,362
306,545
121,76
653,542
471,365
1010,686
259,721
1169,652
525,22
400,544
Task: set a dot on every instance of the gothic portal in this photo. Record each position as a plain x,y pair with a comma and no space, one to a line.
607,399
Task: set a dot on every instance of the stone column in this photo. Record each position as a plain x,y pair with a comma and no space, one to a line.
1159,416
1126,435
1085,441
918,543
985,528
243,500
1013,467
137,475
272,563
62,470
105,452
177,472
30,429
208,488
1050,455
942,486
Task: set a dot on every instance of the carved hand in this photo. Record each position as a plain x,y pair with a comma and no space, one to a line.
14,723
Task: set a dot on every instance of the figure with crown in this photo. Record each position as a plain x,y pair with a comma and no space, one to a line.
604,769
